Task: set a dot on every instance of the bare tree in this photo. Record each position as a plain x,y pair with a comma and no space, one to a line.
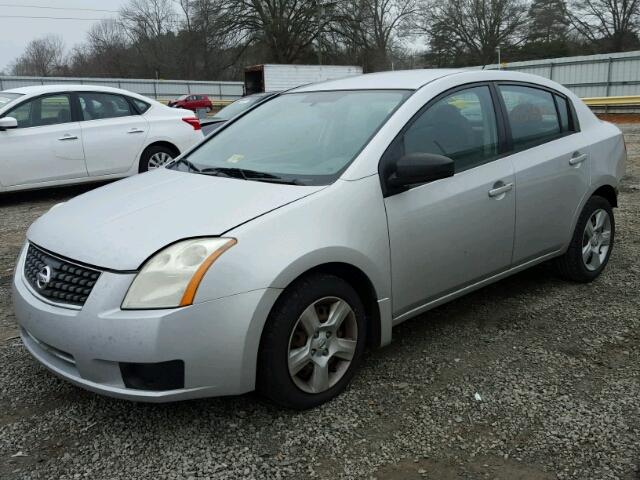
149,24
548,21
371,27
148,18
473,29
42,57
288,28
613,23
214,36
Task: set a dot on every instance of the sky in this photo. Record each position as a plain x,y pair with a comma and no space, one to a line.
16,33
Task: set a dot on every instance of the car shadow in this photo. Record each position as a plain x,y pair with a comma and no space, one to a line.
51,194
422,328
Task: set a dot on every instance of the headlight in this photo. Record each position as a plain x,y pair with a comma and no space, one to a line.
171,277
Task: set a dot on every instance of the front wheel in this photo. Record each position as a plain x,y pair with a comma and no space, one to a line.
592,242
312,343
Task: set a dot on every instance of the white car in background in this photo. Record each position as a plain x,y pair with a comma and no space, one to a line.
66,134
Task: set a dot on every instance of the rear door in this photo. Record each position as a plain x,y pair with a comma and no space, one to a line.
113,132
551,162
46,146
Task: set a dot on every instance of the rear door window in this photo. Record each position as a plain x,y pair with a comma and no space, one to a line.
532,115
98,106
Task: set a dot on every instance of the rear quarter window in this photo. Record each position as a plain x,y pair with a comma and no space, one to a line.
564,114
141,105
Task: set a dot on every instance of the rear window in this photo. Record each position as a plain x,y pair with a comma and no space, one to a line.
8,97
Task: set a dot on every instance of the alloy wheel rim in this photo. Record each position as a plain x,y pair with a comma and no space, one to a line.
158,159
596,240
322,344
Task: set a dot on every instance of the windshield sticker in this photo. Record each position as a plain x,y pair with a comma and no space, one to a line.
235,158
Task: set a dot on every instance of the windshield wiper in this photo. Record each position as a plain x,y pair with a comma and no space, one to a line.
236,172
191,166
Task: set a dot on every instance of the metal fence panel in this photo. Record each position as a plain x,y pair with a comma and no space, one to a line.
615,74
159,89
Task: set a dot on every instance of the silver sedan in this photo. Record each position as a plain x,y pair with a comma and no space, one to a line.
272,254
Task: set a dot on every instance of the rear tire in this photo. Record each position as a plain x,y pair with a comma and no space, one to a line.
312,343
591,244
155,156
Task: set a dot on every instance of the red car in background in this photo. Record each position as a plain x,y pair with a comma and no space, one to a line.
192,102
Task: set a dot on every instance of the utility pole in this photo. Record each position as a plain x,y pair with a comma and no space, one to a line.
499,64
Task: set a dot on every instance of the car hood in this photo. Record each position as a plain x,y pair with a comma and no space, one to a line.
120,225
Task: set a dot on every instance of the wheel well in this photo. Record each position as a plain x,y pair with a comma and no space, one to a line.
168,145
608,193
363,286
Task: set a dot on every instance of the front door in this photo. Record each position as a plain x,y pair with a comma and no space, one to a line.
46,146
452,232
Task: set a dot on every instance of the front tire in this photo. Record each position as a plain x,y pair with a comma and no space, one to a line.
312,343
154,157
592,243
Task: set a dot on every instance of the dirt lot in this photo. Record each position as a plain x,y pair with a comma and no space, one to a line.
556,365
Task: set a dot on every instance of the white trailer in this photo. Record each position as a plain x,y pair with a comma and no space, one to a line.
273,77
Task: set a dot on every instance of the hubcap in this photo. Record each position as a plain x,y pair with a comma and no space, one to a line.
322,344
596,240
158,159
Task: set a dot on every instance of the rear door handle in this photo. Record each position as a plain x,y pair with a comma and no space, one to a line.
577,158
496,192
68,137
136,130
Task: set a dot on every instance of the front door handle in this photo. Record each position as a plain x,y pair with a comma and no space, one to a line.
577,158
136,130
68,137
496,192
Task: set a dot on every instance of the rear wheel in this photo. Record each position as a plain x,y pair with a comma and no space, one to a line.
592,242
312,343
155,156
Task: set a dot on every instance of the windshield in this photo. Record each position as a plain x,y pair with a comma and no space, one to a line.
238,106
8,97
305,138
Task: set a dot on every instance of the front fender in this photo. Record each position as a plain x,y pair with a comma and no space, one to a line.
342,223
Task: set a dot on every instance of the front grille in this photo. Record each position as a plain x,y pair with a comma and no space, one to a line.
67,283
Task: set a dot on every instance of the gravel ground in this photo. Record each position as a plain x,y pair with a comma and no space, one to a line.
556,366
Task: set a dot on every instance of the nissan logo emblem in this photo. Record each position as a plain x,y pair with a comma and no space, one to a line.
43,277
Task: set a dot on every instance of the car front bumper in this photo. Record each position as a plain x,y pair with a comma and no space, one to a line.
216,341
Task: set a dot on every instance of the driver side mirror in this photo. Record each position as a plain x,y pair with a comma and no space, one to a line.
417,168
8,122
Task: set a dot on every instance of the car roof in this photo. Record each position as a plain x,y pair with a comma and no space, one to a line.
415,79
400,79
40,89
